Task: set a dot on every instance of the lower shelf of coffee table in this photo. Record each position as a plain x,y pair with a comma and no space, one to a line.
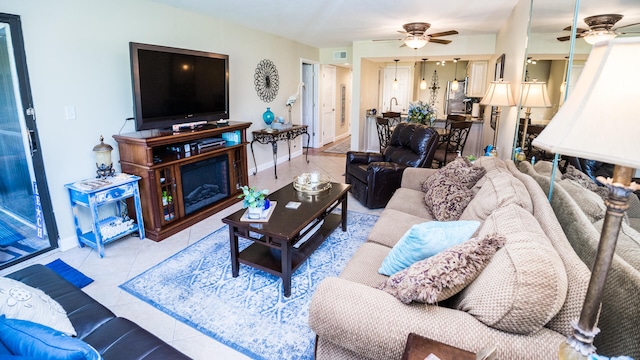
268,259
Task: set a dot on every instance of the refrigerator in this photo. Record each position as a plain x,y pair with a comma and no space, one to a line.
454,100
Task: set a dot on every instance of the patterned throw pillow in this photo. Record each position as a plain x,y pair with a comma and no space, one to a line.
20,301
446,199
585,181
460,170
445,274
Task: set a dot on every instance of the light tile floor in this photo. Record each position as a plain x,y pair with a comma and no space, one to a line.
128,257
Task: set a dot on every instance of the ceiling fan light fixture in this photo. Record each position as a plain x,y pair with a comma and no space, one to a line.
416,42
597,36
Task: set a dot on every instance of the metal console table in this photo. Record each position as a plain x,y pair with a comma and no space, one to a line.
273,136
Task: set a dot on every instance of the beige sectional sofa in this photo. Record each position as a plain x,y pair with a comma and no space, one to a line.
581,214
521,303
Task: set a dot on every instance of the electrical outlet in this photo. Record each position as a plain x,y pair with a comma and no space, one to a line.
70,112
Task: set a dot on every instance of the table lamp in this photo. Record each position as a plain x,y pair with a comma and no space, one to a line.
595,123
103,159
534,94
498,94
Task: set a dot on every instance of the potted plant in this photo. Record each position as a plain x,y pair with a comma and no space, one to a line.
255,200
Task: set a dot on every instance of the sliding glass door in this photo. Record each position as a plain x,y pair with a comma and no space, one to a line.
27,226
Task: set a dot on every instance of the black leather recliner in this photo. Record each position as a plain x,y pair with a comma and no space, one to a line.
374,177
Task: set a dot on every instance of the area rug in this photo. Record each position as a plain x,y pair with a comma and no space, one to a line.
69,273
8,235
340,147
15,251
249,313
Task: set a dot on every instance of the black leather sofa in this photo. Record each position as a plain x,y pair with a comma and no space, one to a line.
374,177
114,337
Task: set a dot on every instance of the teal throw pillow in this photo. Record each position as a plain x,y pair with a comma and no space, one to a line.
425,240
29,339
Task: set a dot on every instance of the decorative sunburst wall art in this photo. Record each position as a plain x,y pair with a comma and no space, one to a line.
266,80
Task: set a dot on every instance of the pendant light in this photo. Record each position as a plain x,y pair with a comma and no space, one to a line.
395,79
423,83
454,84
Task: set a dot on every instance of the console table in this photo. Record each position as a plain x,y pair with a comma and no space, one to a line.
273,136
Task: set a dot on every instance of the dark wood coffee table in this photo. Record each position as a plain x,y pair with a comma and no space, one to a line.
273,249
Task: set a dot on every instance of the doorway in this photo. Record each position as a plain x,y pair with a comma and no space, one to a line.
328,103
27,225
310,100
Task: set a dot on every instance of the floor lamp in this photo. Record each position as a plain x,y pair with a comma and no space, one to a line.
534,95
498,94
595,123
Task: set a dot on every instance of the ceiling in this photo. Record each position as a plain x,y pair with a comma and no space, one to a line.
338,23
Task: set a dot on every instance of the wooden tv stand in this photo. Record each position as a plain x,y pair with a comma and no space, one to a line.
158,157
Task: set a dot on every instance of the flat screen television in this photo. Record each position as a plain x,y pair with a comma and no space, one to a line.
174,86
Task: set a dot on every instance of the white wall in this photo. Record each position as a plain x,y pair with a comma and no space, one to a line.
511,41
78,55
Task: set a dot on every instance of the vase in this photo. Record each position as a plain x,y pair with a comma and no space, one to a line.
268,117
254,213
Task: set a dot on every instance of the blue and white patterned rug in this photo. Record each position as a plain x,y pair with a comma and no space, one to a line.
248,313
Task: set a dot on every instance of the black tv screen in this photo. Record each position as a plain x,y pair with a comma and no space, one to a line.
173,86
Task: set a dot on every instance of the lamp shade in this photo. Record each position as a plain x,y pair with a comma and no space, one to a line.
534,94
498,94
598,122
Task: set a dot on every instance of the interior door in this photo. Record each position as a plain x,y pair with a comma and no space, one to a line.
309,101
27,226
328,104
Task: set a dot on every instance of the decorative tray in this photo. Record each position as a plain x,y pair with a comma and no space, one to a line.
306,186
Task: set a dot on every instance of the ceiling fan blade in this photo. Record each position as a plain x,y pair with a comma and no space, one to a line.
440,41
403,32
444,33
564,38
578,30
624,26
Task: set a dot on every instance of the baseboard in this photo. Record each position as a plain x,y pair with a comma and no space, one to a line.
67,243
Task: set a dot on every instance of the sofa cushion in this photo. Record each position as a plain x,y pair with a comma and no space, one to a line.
446,199
589,202
443,275
627,245
425,240
21,301
525,283
499,189
391,225
29,339
363,265
409,201
460,170
546,168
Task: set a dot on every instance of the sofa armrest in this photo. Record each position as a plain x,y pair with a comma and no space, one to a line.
361,157
414,177
375,324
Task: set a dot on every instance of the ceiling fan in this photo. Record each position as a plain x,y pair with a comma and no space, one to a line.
416,36
600,28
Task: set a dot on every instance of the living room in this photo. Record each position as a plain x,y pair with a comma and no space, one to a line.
78,56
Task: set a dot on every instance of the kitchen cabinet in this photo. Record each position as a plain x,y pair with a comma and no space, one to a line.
477,78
